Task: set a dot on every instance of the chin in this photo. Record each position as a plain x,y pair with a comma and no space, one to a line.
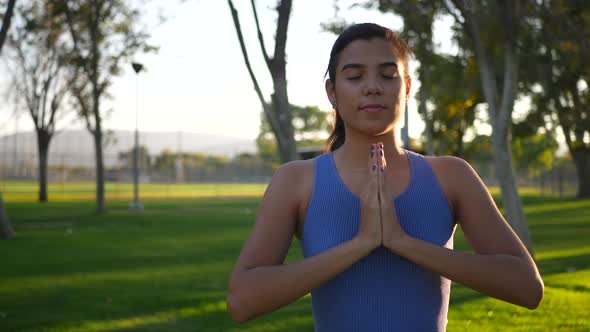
375,129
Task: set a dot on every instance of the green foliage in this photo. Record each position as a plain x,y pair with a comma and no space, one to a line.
105,35
126,158
531,154
479,149
557,73
453,93
535,153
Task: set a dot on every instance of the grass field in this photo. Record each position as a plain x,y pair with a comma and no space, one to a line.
166,269
27,191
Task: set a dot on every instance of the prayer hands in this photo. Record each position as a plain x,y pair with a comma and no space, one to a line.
379,224
391,232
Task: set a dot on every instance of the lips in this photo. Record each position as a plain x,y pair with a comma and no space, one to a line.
372,108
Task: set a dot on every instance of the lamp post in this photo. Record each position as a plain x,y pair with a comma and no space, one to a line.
405,129
136,205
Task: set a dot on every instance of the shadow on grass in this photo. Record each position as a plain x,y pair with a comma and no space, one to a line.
563,264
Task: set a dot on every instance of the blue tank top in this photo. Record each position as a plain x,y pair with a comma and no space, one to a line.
382,291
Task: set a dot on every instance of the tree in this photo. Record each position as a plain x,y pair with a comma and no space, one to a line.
278,111
143,158
311,126
40,78
492,28
104,35
558,81
453,95
6,231
534,154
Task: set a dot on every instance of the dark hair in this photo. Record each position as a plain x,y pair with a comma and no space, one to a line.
362,31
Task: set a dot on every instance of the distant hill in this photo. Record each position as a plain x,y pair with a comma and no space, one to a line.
76,148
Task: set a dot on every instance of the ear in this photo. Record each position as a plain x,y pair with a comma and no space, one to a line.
408,87
330,92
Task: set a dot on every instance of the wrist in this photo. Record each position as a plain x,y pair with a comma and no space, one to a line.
401,244
363,245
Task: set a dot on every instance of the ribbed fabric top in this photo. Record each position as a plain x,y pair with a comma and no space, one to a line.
382,291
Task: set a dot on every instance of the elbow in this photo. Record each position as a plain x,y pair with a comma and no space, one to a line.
535,295
236,307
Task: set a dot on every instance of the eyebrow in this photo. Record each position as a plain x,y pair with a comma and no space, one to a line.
360,66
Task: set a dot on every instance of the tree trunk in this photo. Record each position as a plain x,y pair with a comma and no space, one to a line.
279,117
500,106
282,108
581,159
100,201
6,231
510,198
43,140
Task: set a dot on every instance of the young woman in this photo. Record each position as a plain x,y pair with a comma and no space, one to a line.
375,221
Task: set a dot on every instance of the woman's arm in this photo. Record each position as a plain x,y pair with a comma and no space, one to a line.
260,282
501,266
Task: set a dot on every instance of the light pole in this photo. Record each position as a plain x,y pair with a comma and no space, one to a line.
136,205
405,129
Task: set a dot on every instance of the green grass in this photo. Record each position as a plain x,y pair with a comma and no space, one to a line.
166,269
27,191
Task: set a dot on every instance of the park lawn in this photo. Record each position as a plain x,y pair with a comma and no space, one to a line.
166,269
27,191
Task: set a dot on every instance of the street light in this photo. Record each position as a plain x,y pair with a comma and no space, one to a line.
136,205
405,129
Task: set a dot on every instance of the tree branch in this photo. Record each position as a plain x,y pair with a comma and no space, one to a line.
260,37
6,22
510,84
266,108
453,12
284,10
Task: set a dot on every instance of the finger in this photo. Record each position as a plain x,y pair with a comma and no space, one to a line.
372,152
382,189
373,186
382,161
373,167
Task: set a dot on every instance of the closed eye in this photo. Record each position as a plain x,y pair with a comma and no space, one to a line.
390,76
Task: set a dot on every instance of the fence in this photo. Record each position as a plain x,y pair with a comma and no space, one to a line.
67,171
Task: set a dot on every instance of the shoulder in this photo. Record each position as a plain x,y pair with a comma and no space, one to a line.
295,171
454,175
449,165
294,177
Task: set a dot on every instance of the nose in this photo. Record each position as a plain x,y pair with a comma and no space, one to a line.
373,86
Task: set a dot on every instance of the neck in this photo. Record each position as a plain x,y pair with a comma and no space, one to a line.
354,153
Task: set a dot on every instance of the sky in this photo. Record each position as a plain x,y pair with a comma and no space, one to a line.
198,81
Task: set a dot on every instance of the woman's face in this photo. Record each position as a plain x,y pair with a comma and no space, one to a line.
371,87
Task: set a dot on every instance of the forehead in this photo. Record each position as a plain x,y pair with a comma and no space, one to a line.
368,52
